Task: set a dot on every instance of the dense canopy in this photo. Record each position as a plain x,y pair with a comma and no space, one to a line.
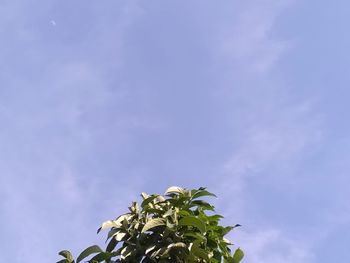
177,227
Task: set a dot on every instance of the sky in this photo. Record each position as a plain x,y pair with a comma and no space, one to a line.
103,100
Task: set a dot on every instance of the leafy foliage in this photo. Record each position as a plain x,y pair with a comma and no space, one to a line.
175,227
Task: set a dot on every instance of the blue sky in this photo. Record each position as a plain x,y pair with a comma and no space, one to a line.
101,100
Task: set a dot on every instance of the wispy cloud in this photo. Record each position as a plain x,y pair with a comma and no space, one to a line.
249,42
280,143
56,109
275,131
274,246
118,99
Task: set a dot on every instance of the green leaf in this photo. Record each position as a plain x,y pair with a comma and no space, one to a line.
228,242
200,253
112,232
238,255
184,213
87,252
214,218
126,251
111,245
120,236
144,195
134,208
202,193
160,199
225,230
170,212
150,249
66,254
101,257
107,224
175,248
175,189
193,221
114,223
148,200
203,205
153,223
178,245
196,236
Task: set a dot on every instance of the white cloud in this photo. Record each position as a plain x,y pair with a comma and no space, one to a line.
278,136
275,131
68,187
48,130
273,246
249,43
